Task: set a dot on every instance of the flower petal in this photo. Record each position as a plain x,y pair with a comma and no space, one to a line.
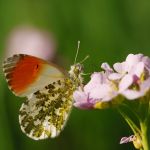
121,68
132,94
106,67
146,61
145,86
100,91
126,81
139,69
115,76
80,96
82,100
127,139
96,79
133,59
110,96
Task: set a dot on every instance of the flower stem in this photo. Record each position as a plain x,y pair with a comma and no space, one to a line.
144,135
132,125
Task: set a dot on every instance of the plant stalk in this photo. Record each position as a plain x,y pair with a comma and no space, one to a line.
144,135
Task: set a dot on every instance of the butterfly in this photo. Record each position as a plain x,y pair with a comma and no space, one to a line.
48,92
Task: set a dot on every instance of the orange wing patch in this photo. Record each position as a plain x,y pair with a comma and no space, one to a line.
25,72
21,71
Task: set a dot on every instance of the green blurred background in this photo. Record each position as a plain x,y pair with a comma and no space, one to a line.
108,30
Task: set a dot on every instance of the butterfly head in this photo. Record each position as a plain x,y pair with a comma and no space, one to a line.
76,72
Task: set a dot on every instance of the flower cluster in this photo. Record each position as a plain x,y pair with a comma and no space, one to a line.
130,79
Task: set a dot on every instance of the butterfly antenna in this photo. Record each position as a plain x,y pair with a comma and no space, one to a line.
84,59
77,52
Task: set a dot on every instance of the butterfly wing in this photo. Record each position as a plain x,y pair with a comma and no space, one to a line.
45,113
26,74
49,94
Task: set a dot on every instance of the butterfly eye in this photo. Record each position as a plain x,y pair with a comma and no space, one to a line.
79,68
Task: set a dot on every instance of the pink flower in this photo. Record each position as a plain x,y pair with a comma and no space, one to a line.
135,139
31,41
98,89
131,79
125,140
82,100
141,91
133,75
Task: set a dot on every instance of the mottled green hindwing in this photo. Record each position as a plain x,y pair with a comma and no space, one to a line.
45,112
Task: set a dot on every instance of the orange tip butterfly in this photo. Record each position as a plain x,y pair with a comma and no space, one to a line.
48,92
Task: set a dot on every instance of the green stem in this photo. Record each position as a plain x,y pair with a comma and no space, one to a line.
132,125
131,110
144,135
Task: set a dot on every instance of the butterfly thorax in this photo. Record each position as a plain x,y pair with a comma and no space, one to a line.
75,74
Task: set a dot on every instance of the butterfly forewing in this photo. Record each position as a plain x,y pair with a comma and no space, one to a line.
26,74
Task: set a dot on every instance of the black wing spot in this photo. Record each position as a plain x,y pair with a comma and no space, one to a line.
36,67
